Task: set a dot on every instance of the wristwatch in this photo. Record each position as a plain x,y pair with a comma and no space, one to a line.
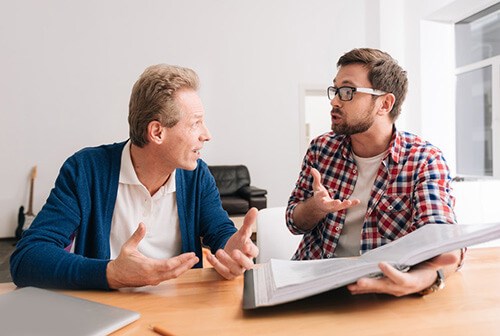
437,285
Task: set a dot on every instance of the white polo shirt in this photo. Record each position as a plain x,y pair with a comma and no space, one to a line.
134,204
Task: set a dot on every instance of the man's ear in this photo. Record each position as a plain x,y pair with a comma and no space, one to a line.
388,101
156,132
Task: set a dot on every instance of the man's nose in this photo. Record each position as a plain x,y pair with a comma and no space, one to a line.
335,101
205,135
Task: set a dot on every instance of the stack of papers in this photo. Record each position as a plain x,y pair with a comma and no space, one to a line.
280,281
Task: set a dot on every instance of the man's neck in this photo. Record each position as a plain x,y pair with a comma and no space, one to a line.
148,168
372,142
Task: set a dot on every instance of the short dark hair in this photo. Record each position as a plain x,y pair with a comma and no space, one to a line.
153,98
384,73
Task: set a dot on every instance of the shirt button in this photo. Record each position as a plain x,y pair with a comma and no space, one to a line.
337,228
390,207
354,171
329,255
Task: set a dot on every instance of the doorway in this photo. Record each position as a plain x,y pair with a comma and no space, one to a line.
315,115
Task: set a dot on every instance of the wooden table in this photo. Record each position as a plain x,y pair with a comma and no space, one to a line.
201,303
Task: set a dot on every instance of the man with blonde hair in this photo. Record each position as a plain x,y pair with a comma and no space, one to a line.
133,212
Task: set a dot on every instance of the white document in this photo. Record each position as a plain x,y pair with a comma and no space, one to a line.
280,281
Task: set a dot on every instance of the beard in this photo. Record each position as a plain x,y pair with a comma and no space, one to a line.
360,126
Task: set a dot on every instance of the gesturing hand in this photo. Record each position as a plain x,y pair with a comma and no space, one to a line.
309,212
237,255
399,283
132,269
322,199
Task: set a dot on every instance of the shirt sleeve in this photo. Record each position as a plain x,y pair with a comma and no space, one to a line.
433,200
303,189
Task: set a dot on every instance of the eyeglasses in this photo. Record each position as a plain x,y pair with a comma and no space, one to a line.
346,93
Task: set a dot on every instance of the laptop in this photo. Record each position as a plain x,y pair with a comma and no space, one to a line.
34,311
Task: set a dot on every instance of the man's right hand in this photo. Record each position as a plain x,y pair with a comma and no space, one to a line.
132,269
308,213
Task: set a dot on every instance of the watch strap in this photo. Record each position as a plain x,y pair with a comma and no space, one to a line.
437,285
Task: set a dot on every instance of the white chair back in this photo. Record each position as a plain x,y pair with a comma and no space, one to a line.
476,202
274,240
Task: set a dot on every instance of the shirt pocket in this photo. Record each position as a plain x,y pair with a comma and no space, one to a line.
394,216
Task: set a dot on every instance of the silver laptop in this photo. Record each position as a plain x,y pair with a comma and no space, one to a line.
34,311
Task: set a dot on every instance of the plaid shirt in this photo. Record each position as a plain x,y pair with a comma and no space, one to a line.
411,189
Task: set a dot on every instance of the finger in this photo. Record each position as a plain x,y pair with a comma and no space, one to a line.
337,205
392,280
250,249
219,267
248,222
136,237
333,204
367,285
182,268
355,201
174,273
174,267
372,285
445,259
181,259
392,273
243,260
316,180
232,265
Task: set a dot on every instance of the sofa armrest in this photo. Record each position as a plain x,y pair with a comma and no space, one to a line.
248,192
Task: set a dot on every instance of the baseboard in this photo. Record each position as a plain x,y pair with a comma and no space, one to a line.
7,238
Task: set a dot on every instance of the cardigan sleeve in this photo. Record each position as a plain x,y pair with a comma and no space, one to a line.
216,227
40,258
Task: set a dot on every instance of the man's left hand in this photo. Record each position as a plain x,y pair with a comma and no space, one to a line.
399,283
237,256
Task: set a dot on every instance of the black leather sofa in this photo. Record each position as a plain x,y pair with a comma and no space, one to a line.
236,193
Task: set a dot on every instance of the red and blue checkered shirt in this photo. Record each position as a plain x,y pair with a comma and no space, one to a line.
411,189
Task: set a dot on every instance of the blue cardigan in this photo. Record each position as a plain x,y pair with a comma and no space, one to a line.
82,202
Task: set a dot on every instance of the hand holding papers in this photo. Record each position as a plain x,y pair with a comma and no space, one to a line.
280,281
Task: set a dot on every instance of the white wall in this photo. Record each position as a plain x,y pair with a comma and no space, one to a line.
434,62
67,67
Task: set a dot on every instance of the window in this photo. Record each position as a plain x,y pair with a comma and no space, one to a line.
474,127
478,36
477,52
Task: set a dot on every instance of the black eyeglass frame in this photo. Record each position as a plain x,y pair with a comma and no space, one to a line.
349,95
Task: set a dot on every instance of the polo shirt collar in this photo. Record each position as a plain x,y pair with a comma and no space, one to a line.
129,176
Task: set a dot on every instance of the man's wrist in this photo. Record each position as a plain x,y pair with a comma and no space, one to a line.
437,285
109,276
305,214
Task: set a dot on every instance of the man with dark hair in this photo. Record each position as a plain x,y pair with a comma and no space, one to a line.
133,212
366,184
